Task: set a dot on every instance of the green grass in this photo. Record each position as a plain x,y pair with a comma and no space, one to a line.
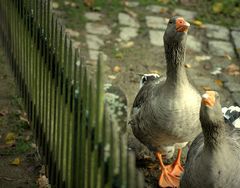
22,146
228,15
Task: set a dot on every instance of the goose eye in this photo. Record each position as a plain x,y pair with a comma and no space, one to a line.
170,22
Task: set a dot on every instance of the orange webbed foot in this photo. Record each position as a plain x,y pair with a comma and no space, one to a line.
177,168
168,180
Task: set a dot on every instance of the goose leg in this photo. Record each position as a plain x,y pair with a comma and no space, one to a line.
176,168
166,178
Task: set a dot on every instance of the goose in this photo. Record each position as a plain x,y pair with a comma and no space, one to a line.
165,112
232,115
213,159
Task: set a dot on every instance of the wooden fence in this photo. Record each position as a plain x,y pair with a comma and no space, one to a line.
78,141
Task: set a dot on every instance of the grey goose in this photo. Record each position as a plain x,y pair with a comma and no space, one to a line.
213,160
165,113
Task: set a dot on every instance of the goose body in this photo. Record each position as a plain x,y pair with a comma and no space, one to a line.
165,116
214,157
165,113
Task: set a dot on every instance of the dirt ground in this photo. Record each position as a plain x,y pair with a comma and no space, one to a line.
19,161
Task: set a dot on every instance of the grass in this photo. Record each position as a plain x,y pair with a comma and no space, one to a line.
222,12
227,14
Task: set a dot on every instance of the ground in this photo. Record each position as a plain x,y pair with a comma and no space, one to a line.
19,161
130,37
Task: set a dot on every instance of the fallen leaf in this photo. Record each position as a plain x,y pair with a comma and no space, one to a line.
163,10
228,57
10,138
112,77
116,69
202,58
55,5
197,23
217,7
119,55
3,113
127,44
24,119
16,161
3,146
42,181
206,88
233,69
187,65
28,137
219,83
33,145
130,12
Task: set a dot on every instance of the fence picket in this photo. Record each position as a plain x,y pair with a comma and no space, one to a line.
77,137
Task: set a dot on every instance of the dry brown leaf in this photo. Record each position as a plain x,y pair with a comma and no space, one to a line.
233,69
116,69
22,118
187,65
10,138
130,12
3,146
3,113
228,57
163,10
206,88
42,181
219,83
16,161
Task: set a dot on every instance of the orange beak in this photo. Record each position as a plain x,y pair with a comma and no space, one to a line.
208,99
182,25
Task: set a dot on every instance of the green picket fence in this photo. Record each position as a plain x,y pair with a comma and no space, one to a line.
79,143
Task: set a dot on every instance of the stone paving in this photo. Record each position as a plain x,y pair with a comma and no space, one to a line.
219,40
214,42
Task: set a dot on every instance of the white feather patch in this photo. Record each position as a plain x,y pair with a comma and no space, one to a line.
145,77
232,114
